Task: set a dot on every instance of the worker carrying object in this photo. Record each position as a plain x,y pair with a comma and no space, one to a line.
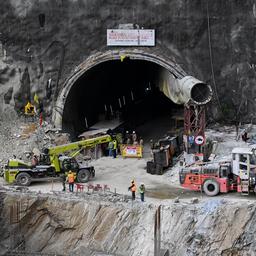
29,109
142,191
133,189
71,181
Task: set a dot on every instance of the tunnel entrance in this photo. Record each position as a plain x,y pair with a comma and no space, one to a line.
127,90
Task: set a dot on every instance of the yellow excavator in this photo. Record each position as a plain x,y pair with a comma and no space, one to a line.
53,162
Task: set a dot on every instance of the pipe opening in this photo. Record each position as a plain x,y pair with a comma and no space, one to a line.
201,93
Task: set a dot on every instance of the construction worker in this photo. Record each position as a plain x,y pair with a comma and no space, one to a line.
128,141
29,109
245,137
127,138
134,138
142,191
71,181
114,148
34,160
152,146
132,188
63,179
110,148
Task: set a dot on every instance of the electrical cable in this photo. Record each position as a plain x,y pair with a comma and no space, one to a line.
211,61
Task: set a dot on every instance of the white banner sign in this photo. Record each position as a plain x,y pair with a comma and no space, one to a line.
131,37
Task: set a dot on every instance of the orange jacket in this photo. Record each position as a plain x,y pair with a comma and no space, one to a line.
71,177
133,187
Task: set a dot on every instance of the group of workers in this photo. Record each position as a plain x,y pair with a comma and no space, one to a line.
70,178
133,189
132,139
126,139
112,148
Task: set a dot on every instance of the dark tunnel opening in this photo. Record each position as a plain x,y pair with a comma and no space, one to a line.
126,90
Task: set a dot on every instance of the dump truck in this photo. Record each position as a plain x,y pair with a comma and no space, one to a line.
238,175
53,162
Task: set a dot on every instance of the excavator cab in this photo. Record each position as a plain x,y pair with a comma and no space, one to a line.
83,173
68,163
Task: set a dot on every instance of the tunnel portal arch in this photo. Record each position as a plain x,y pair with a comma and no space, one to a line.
113,55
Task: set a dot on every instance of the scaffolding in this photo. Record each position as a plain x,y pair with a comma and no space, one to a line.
194,120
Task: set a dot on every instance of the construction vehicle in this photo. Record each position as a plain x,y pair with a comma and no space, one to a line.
52,163
163,153
238,175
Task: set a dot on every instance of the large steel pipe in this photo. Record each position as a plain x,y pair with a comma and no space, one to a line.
184,90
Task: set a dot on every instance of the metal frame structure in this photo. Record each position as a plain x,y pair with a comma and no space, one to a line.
194,120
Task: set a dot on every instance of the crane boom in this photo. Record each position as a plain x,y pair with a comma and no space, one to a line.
74,148
78,145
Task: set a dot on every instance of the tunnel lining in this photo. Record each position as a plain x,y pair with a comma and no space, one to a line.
99,58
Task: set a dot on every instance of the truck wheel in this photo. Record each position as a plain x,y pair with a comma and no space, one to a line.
151,167
23,179
211,187
83,175
159,169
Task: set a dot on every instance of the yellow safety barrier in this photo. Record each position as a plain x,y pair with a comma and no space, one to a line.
131,151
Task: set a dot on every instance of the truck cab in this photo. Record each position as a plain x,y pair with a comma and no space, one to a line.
244,167
239,174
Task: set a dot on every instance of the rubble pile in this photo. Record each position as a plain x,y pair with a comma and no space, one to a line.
20,136
226,138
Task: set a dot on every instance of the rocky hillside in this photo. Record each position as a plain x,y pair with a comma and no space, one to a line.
66,224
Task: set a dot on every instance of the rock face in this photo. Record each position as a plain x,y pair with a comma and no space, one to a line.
79,225
42,42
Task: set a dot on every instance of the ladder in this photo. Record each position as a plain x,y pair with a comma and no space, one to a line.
245,187
245,182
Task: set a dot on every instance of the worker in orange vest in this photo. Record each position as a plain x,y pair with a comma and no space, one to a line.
133,189
71,181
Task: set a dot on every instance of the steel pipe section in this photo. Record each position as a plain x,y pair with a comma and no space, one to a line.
184,90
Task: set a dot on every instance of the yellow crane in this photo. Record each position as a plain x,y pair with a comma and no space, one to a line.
52,163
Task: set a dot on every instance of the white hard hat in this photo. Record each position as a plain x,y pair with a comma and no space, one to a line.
141,183
133,132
